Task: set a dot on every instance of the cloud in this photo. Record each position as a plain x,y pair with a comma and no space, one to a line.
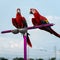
40,39
53,18
10,44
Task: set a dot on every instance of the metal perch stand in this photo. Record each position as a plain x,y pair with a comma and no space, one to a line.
24,32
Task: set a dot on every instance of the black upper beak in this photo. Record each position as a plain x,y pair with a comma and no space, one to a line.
31,12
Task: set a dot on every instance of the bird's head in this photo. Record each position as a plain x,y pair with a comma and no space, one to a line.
18,10
33,11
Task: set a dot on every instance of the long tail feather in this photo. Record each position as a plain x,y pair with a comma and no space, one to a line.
50,30
55,33
28,41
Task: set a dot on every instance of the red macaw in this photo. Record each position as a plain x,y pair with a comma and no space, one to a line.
20,22
39,19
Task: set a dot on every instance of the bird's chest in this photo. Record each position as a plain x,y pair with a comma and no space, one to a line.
19,21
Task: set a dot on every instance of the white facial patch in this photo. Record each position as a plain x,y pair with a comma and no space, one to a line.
33,11
18,10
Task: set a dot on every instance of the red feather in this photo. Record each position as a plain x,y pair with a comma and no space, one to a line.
20,22
39,19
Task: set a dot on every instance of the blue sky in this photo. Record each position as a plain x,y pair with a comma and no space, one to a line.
12,45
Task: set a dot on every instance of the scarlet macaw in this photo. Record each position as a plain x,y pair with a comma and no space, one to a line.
39,19
20,22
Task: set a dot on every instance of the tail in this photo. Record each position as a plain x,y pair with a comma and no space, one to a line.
55,33
50,30
28,41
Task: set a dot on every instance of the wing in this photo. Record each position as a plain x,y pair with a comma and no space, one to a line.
24,22
14,22
44,21
34,22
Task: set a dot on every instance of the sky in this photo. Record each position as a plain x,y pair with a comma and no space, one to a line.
43,43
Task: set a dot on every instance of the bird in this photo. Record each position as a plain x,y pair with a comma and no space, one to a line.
38,19
20,22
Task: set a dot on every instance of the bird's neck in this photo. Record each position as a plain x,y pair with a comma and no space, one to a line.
37,15
18,15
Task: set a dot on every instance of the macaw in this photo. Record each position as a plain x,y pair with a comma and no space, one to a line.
20,22
39,19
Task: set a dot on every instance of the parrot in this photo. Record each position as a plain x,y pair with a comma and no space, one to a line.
20,22
38,19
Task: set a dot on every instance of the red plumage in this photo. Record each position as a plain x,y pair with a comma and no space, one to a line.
39,19
20,22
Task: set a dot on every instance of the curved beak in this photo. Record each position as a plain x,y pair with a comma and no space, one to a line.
18,10
31,12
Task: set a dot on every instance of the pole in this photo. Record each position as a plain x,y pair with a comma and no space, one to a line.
55,52
25,46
